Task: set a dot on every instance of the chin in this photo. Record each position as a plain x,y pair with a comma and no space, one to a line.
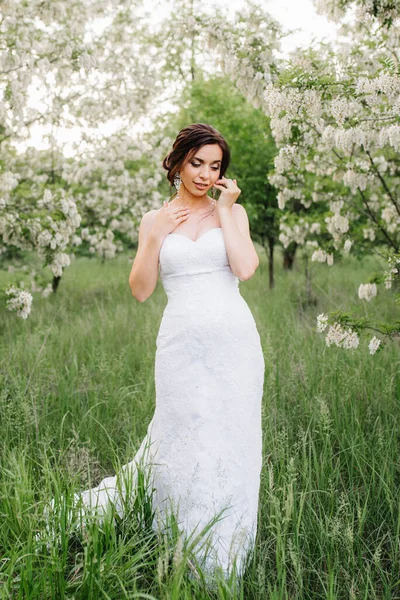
198,192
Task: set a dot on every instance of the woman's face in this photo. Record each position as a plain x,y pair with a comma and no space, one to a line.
200,172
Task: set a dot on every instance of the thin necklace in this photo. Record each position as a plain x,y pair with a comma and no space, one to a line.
212,204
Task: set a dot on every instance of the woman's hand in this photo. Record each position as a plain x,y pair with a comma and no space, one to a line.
230,192
169,217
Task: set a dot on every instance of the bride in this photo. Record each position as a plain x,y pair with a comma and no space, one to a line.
205,436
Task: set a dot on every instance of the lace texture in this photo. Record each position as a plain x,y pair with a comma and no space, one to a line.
205,436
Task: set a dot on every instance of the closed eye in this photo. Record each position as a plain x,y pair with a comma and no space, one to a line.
198,165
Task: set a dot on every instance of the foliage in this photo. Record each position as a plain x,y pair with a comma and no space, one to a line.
79,407
335,118
217,101
50,204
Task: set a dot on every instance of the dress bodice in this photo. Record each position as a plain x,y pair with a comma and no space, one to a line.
198,267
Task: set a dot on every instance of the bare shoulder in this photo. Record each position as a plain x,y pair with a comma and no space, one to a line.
149,216
239,210
147,220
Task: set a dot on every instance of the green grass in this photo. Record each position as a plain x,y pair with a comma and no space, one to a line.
77,393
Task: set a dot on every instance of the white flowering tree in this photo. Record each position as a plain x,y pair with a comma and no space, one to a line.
335,118
335,115
246,44
114,185
386,12
87,77
36,215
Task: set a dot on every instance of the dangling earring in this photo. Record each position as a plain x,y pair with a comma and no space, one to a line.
177,183
213,192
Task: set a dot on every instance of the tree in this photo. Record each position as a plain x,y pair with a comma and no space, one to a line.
86,78
217,101
335,118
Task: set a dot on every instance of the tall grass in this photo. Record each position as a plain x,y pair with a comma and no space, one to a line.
77,393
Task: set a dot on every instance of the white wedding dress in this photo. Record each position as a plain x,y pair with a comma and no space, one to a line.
205,435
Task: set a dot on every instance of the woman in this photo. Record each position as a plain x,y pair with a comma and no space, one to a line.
205,433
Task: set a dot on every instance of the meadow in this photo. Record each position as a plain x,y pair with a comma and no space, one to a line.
77,393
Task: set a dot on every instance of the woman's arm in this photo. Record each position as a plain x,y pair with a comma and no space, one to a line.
240,249
144,272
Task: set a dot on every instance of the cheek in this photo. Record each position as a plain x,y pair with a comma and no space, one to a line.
188,172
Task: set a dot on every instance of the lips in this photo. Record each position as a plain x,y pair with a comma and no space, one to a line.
200,186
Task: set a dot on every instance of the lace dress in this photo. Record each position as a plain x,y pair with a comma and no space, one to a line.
205,435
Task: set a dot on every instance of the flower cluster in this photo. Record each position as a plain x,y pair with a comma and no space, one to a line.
320,255
393,272
297,233
20,301
322,322
342,337
367,291
374,345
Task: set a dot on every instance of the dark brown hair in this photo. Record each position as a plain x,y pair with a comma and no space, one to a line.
188,141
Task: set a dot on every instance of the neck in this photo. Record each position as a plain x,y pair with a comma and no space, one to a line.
196,202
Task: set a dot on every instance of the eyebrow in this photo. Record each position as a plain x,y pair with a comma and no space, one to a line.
200,160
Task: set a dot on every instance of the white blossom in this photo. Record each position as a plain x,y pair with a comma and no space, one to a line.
322,322
47,291
392,272
319,255
20,301
367,291
369,233
8,181
60,261
315,228
341,337
347,246
374,345
286,159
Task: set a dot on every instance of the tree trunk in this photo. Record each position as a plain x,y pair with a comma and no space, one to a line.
308,280
271,245
310,299
288,256
56,281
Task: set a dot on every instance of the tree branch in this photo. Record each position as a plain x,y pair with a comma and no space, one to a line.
389,193
375,220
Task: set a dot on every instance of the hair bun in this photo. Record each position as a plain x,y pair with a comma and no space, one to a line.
190,139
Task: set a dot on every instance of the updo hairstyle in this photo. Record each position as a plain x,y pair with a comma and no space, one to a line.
188,141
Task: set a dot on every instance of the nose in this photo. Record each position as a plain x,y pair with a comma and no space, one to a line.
205,172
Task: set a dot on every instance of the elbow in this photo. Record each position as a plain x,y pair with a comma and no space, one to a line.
245,275
137,296
140,296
